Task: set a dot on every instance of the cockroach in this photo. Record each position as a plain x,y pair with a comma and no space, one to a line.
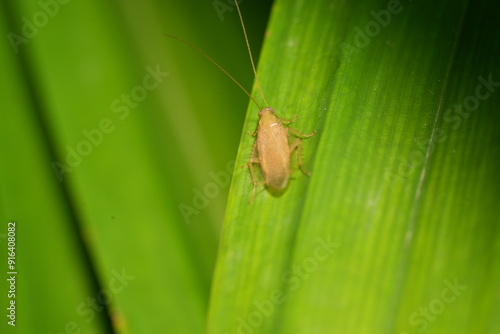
272,147
272,150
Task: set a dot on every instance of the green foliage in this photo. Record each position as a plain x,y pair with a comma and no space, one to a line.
117,146
402,203
125,163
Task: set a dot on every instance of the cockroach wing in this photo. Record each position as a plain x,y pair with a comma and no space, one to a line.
274,155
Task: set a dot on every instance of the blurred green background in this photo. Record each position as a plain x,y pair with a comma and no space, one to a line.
66,74
117,146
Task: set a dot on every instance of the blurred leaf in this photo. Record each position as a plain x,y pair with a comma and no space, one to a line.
54,277
396,230
88,93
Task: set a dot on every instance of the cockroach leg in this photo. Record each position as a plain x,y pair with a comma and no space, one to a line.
255,183
297,144
299,134
253,134
288,121
254,159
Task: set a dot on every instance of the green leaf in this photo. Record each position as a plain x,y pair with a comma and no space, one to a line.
106,229
396,230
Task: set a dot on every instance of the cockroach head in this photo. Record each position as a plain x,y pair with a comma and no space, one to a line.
266,111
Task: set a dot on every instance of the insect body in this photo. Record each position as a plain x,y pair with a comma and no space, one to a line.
272,148
272,151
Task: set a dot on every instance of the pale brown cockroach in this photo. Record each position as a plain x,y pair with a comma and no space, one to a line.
272,148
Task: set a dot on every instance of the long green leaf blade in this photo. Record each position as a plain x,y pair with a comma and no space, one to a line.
396,229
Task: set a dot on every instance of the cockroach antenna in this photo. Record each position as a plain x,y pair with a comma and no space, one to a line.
272,148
